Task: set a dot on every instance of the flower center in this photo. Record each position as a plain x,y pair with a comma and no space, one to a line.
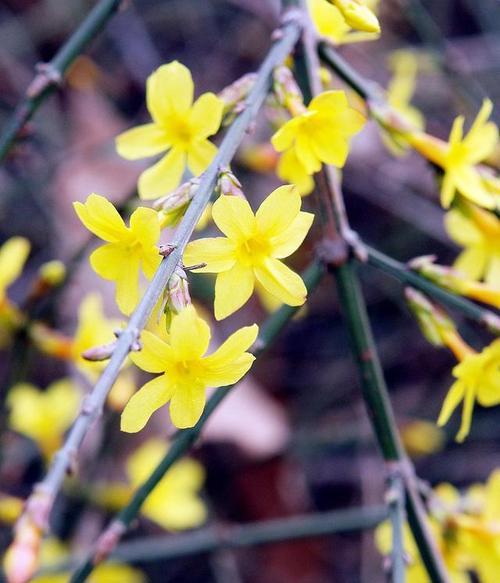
179,131
253,251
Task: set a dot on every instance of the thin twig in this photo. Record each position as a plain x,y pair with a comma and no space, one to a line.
40,503
210,539
395,498
183,439
49,75
364,348
405,275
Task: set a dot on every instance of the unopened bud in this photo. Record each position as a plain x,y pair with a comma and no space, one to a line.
287,91
357,15
234,97
178,291
433,321
99,353
173,206
53,272
228,184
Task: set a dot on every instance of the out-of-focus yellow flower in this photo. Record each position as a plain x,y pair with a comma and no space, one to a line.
416,572
321,133
478,231
422,438
13,255
53,551
127,249
175,503
478,378
258,157
331,23
178,126
94,329
186,371
459,157
10,508
253,249
44,416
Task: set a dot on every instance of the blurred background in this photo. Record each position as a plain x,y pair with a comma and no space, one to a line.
294,437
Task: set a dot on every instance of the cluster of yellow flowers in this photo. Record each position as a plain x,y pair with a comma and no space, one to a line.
465,526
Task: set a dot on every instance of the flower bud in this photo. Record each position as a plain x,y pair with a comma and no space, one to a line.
176,296
228,184
173,206
433,321
287,91
52,272
357,15
234,97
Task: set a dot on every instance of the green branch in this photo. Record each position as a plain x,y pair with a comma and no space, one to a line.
42,499
210,539
354,308
50,74
183,439
405,275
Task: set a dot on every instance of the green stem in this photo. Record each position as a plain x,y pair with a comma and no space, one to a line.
62,461
207,540
43,85
183,439
401,272
364,349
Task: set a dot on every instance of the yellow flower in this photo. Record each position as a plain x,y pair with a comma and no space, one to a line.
331,24
186,371
94,329
128,249
321,133
292,171
54,551
422,437
11,508
178,126
478,377
13,255
253,249
175,503
478,231
459,157
358,15
43,416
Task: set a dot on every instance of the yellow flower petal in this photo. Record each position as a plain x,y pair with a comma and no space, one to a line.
101,218
288,241
169,88
451,402
13,255
330,149
200,155
108,259
187,404
280,281
141,142
206,115
285,136
304,148
144,403
290,169
332,100
127,285
234,217
216,252
145,226
278,210
164,176
155,355
471,262
231,373
238,343
467,410
461,229
233,288
492,276
470,185
189,335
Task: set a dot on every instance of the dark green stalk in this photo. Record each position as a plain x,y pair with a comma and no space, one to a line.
62,461
210,539
50,75
183,439
353,306
405,275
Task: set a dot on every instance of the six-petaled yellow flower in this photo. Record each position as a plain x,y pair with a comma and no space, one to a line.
478,231
43,416
128,249
458,158
175,503
179,126
252,249
478,378
321,133
186,371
